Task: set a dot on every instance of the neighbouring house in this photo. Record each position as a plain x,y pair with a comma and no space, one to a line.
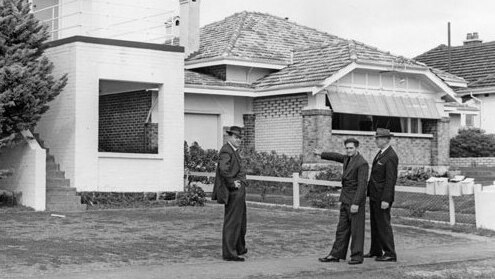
295,88
119,123
475,62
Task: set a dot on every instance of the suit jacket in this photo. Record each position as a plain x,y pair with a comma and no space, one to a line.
229,169
354,177
383,178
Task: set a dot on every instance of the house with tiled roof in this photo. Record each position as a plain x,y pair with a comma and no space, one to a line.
474,61
295,88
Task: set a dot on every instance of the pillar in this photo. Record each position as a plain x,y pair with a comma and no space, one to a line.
440,147
249,131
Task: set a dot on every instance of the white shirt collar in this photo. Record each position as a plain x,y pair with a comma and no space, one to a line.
384,149
233,147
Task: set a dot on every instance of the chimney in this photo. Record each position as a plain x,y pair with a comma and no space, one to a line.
189,25
172,26
472,39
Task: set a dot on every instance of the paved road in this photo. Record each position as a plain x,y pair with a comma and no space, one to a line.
477,249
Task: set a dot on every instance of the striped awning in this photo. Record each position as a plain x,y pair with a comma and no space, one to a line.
384,105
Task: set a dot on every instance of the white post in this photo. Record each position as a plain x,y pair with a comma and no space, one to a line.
295,190
451,209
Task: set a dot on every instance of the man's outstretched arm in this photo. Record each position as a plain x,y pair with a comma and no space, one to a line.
331,156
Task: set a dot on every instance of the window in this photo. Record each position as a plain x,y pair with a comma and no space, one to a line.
47,11
470,120
415,126
356,122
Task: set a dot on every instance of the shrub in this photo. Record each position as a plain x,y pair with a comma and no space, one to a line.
192,196
472,142
124,200
415,177
197,159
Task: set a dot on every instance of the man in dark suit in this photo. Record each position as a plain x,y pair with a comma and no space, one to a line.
352,208
381,190
229,189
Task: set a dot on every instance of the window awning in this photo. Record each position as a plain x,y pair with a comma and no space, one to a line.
383,105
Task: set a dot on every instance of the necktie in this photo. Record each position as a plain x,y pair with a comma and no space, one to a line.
377,155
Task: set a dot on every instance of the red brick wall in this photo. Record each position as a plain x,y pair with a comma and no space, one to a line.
122,122
472,162
441,140
411,151
248,141
278,124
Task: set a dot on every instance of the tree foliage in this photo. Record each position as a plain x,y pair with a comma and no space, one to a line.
472,142
26,81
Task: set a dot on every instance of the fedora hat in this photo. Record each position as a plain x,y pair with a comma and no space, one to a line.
235,130
383,133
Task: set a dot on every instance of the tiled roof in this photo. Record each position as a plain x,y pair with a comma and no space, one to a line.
257,36
488,81
315,64
195,78
475,62
311,56
311,65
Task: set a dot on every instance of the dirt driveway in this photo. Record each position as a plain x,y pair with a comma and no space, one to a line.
185,243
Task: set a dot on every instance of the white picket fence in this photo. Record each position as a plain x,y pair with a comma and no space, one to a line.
296,181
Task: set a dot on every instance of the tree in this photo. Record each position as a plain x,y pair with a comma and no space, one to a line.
472,142
26,81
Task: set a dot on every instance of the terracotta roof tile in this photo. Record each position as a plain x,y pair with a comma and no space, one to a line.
311,55
472,62
253,35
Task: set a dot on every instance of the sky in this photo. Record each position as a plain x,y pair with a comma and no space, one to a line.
406,28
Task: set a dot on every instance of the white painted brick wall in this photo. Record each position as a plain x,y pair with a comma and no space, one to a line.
71,126
28,162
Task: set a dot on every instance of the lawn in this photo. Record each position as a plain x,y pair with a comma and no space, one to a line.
34,243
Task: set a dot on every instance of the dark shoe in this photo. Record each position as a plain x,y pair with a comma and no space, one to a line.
386,259
243,252
329,259
369,255
233,259
354,261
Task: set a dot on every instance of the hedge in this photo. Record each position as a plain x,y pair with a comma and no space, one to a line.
472,142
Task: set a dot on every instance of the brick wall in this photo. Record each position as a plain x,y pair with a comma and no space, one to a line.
411,151
472,162
278,124
249,131
122,120
440,149
151,137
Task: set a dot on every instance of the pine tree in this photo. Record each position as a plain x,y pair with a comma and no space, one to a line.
26,81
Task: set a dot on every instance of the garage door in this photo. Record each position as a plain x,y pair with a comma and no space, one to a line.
202,128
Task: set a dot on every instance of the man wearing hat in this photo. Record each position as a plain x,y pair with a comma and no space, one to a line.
353,200
381,190
229,189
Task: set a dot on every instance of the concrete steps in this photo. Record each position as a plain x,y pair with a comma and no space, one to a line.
60,197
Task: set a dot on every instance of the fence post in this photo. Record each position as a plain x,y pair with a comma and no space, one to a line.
295,190
451,209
